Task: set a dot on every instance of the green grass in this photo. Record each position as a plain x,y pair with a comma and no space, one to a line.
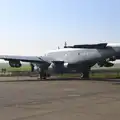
105,75
25,67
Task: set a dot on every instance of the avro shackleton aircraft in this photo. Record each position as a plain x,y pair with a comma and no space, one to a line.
77,57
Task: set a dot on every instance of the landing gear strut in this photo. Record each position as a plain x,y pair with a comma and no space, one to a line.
42,74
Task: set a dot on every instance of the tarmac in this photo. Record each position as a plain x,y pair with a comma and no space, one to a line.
25,98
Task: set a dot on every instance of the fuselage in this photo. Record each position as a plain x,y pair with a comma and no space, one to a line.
72,56
78,58
78,55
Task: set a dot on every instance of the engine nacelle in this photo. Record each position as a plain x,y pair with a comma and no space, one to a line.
106,64
113,58
58,67
16,64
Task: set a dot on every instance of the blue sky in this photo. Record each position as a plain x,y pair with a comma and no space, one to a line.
32,27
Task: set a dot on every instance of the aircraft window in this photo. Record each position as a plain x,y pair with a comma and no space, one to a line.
78,53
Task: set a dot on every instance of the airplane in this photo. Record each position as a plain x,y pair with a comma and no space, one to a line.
77,57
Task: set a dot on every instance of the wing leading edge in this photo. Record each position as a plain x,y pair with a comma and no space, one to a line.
22,58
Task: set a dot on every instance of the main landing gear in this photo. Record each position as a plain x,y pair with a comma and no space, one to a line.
84,75
42,74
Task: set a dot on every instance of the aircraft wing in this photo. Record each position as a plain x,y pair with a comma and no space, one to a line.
23,58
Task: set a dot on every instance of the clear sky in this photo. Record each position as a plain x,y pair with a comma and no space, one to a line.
31,27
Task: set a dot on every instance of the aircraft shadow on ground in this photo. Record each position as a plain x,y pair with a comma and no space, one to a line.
115,80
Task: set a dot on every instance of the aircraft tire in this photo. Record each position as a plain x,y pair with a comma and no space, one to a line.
85,75
42,75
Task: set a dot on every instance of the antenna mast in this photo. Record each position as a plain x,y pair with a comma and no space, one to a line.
65,45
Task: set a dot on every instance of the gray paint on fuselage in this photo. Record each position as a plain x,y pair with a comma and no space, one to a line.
74,56
79,55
